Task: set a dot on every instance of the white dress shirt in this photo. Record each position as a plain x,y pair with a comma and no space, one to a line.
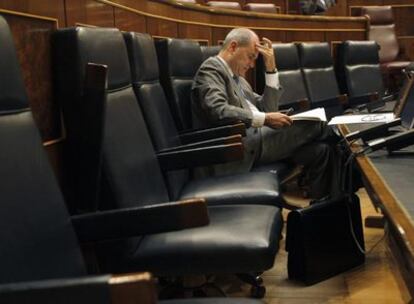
272,80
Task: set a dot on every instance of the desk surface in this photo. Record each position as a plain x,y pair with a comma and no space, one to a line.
397,171
389,179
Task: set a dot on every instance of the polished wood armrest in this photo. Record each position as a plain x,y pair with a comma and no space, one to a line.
202,156
225,130
139,221
206,143
133,288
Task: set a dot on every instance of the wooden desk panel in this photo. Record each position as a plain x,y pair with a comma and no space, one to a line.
395,198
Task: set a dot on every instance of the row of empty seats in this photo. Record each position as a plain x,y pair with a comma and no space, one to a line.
235,5
309,77
133,226
126,161
141,152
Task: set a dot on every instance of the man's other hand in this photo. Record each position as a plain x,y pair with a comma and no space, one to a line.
265,48
277,120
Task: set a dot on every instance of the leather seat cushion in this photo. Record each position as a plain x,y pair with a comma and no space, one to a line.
280,169
239,239
247,188
213,301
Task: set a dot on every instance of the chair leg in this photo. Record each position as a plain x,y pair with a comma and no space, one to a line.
257,290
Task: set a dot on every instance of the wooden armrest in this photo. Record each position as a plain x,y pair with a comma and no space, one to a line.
203,156
214,132
139,221
133,288
343,99
212,142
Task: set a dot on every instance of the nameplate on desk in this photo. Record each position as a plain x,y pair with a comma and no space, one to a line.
358,119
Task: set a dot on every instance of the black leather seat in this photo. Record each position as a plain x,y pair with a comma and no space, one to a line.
359,73
290,77
40,257
248,188
208,51
179,61
131,175
320,80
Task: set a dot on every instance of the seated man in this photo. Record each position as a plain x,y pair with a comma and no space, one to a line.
220,92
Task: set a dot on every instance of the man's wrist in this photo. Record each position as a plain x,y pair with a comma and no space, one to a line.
274,71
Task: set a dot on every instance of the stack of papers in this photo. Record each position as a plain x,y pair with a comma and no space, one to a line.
317,114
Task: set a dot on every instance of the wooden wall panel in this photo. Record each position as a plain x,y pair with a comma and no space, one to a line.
275,36
218,35
403,16
32,38
407,47
340,9
342,36
53,9
89,12
162,28
130,21
305,36
195,32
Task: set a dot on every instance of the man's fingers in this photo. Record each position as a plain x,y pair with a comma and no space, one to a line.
268,42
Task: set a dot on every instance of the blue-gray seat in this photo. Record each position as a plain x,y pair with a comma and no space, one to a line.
40,255
131,175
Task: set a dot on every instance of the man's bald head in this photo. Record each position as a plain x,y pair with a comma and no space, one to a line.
243,36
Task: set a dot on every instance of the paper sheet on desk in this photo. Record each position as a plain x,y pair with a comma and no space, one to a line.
366,118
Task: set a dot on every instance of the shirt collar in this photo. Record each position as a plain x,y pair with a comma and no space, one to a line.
226,66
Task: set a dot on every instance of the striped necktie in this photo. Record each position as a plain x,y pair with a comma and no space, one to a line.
244,99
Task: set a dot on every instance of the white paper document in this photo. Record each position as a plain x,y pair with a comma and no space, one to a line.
317,114
366,118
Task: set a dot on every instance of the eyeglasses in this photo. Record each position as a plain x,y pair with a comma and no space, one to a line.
373,117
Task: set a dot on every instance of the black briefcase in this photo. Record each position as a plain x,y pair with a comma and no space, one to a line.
324,239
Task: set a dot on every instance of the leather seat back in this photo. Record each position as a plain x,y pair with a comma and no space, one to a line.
318,71
152,100
358,68
179,61
209,51
38,241
382,30
290,75
131,173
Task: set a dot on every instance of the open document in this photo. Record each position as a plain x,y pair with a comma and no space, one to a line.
317,114
365,118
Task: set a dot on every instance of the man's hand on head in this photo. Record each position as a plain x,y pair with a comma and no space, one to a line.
277,120
265,48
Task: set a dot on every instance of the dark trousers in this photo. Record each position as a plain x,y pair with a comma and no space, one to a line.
311,144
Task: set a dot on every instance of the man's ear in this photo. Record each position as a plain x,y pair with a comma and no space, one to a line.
233,46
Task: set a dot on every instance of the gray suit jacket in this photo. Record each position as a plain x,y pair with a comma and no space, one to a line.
215,97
